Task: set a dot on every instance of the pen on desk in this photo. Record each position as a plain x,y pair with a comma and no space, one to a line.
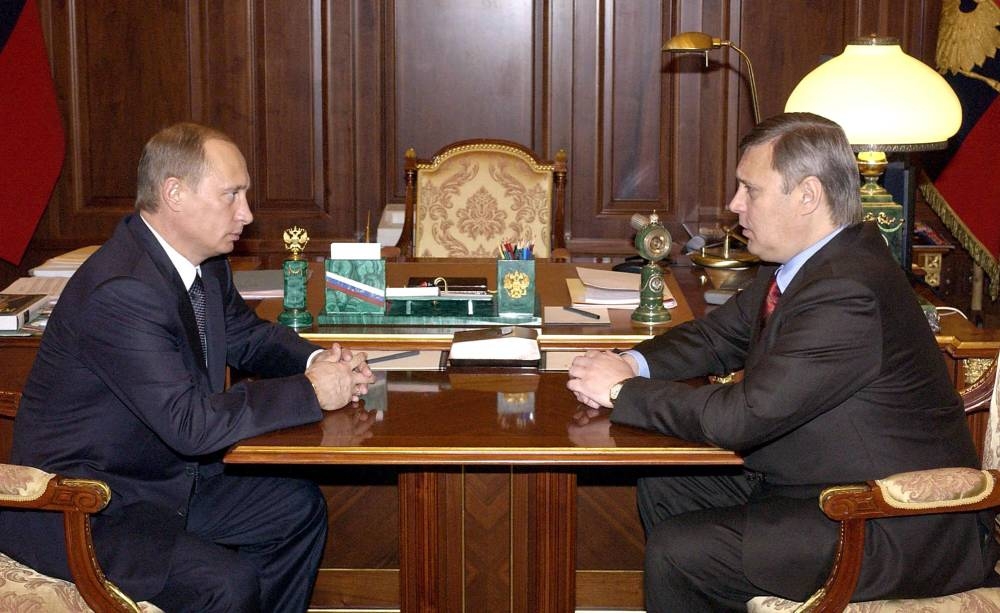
582,312
392,356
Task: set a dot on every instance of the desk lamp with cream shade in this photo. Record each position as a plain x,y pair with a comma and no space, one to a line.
886,101
700,42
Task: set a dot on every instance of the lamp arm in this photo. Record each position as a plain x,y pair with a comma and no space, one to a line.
753,79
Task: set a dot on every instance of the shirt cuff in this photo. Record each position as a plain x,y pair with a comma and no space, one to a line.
640,361
312,356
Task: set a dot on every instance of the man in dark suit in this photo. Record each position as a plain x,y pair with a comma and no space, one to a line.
128,387
842,382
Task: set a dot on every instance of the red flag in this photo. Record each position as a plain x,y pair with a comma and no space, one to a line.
966,191
32,145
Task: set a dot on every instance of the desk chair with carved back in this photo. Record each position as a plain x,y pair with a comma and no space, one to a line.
941,490
473,194
24,589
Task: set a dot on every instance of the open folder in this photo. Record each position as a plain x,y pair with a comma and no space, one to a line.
495,346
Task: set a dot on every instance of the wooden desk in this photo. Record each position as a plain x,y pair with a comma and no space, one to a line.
476,538
476,501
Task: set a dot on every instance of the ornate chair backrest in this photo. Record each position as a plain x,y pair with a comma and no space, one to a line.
472,195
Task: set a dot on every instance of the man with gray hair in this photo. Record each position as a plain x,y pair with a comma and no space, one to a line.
842,381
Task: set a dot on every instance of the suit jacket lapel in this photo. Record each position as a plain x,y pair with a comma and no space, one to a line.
172,281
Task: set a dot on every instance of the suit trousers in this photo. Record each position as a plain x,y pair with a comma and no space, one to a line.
252,543
694,524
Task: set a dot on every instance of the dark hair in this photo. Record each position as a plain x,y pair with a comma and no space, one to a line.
806,145
177,151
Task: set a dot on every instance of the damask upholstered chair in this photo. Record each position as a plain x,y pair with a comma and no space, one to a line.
474,194
22,589
941,490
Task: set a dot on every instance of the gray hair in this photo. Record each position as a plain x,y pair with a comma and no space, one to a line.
177,151
806,145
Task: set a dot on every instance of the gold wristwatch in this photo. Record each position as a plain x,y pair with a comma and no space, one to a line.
616,389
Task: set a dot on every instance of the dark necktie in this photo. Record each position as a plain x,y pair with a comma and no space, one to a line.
197,295
771,301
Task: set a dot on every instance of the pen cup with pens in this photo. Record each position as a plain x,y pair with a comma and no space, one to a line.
516,279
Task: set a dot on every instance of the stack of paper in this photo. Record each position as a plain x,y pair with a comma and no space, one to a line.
259,284
609,288
64,265
51,286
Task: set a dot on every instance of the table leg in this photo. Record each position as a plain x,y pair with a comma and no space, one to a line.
544,526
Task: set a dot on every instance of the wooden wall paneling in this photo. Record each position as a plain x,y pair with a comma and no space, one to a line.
702,116
359,168
290,131
115,100
461,70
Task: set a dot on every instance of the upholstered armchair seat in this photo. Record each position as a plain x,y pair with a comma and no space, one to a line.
24,590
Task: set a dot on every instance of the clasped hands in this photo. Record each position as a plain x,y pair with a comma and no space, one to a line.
592,374
339,376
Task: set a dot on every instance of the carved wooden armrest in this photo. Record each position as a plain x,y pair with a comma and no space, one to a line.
924,492
24,487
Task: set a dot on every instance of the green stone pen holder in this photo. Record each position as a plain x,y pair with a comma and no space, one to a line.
515,287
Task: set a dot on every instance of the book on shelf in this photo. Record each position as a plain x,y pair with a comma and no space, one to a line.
609,288
18,309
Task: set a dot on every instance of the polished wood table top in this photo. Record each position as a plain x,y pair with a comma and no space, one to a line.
472,418
551,277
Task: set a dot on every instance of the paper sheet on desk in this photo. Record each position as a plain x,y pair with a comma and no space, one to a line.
423,360
557,315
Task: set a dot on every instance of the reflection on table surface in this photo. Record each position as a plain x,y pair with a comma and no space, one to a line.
469,417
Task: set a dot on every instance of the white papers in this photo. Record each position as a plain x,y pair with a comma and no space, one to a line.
50,286
355,251
259,284
412,292
63,265
609,288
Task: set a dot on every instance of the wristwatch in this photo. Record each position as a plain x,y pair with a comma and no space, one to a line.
616,389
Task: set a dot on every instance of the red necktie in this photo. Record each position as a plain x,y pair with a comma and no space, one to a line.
771,301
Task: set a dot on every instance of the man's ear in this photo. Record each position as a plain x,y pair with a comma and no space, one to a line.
810,192
170,192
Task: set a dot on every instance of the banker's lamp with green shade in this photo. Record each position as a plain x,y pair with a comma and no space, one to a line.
886,101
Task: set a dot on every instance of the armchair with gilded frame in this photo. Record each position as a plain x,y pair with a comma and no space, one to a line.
940,490
24,589
473,194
